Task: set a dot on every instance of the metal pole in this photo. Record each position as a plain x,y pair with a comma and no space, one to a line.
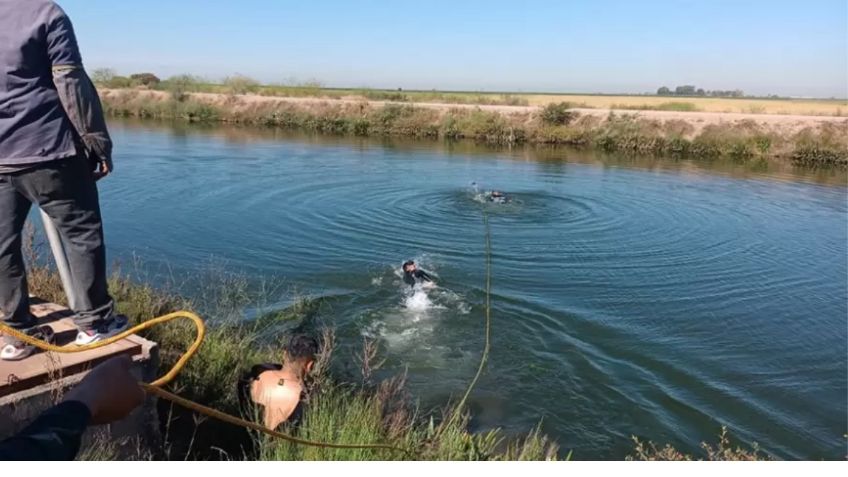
61,258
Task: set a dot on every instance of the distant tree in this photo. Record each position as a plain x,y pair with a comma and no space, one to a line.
103,75
240,84
145,79
687,90
664,91
106,77
180,85
701,92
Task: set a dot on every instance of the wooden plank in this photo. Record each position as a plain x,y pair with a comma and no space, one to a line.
41,368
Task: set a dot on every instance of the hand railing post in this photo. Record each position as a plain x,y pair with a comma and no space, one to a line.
58,249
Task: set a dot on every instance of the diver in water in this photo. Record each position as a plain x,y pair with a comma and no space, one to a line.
498,197
493,196
412,275
278,391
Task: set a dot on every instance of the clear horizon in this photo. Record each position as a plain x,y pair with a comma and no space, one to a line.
608,46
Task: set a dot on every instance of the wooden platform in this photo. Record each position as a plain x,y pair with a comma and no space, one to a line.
42,368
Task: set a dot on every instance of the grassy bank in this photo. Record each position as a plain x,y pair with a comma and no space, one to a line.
555,124
342,408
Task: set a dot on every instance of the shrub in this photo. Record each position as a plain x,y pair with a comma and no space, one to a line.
557,114
180,85
813,154
482,125
240,84
145,79
119,82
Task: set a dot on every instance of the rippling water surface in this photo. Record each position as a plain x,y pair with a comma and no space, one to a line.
647,297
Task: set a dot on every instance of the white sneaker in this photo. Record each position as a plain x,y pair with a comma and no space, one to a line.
118,324
18,350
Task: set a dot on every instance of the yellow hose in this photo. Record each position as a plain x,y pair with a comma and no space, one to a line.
155,387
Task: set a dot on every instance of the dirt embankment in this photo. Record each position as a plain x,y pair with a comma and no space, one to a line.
783,124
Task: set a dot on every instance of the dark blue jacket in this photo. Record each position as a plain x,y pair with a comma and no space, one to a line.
48,107
55,435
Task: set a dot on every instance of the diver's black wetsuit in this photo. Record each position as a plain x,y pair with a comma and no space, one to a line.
411,278
499,199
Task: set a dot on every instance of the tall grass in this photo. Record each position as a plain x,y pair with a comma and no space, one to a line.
723,450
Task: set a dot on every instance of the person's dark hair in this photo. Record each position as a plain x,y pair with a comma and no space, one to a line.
302,347
408,263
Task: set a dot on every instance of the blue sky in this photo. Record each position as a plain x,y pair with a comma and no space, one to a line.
783,47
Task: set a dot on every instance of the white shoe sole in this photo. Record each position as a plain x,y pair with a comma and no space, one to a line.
84,338
11,353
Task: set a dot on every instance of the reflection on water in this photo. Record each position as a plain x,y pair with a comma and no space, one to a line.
641,296
552,158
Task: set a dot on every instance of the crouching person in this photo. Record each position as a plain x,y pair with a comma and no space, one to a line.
277,391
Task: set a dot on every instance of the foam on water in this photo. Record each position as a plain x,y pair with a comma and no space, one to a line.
418,300
410,317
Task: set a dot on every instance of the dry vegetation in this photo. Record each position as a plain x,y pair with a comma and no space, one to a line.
723,450
666,133
240,84
806,107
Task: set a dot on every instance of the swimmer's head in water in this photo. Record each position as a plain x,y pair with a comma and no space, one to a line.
497,193
409,266
301,352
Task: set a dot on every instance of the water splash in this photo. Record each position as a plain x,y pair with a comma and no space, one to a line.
419,300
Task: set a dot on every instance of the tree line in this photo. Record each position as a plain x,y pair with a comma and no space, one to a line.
690,90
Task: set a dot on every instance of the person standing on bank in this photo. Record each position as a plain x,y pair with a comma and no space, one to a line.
54,146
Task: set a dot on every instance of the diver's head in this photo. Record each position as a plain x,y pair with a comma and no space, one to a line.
300,353
409,266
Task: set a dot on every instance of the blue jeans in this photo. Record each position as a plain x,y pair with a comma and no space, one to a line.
66,190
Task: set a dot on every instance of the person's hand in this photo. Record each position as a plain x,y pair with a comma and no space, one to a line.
110,392
102,168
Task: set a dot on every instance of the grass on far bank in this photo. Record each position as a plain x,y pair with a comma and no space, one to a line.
555,124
